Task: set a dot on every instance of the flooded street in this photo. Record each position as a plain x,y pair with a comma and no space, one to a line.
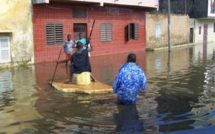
179,99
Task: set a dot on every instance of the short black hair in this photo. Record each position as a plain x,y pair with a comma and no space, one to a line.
79,45
131,58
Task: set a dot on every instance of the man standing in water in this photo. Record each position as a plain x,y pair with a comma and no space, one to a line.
129,81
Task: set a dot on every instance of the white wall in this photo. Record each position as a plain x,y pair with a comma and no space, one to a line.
211,34
141,3
211,8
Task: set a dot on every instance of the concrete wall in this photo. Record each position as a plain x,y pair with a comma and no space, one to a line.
140,3
159,38
201,23
16,22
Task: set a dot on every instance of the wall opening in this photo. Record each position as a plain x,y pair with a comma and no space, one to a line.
5,56
79,28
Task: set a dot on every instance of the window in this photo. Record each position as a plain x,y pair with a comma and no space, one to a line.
54,33
157,31
106,32
79,13
200,30
4,49
132,31
214,27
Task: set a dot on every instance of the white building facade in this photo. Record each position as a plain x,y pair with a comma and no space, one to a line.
204,30
205,26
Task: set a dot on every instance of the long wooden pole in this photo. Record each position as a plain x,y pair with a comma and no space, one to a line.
91,29
92,77
56,66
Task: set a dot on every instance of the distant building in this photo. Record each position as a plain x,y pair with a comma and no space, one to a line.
119,25
203,13
157,26
16,43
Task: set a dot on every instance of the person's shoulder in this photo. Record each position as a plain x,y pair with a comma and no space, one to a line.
139,68
134,66
123,67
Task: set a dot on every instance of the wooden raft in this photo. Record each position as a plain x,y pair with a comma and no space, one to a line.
93,88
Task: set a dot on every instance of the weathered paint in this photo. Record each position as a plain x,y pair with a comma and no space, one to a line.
179,30
16,21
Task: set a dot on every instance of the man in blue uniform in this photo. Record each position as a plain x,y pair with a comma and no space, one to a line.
129,81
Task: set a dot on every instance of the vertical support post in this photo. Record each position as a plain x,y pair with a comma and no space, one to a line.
169,26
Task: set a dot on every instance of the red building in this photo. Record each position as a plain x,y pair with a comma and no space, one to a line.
116,29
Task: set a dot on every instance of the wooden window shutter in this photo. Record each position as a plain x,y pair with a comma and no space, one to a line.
129,31
106,32
136,31
59,33
54,33
132,31
50,34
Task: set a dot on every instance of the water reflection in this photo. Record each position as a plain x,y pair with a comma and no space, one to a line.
17,111
5,82
179,99
182,90
127,120
5,88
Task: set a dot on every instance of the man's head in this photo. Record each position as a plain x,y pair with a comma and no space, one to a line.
79,45
131,58
81,35
68,37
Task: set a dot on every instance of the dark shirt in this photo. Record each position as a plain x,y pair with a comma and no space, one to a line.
80,62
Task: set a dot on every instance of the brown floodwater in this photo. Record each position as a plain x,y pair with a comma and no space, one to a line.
180,97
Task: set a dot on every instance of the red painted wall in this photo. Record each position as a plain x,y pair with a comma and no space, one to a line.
120,17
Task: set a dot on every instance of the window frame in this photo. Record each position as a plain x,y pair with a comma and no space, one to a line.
132,31
55,34
8,49
83,31
106,31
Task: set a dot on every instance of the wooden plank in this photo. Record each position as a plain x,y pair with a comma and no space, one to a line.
93,88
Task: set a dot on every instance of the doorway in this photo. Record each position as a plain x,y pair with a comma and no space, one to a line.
191,35
79,28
